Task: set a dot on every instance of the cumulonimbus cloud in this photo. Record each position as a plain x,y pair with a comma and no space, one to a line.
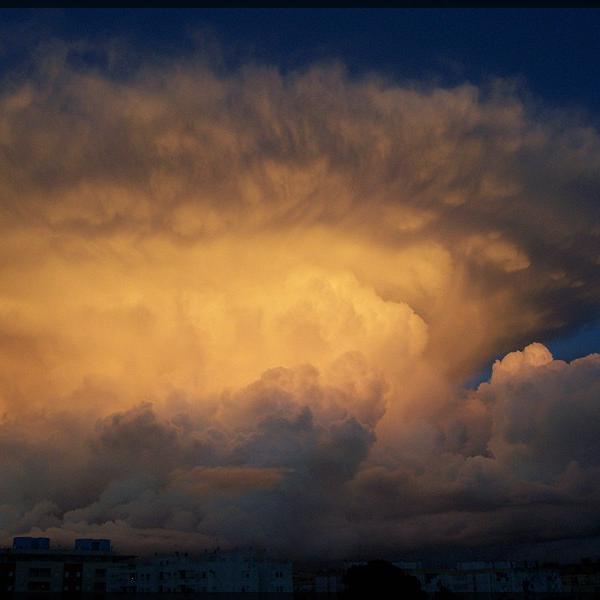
251,299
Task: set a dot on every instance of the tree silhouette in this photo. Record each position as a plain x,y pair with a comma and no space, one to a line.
380,578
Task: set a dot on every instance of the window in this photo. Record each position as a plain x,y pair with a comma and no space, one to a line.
38,586
39,572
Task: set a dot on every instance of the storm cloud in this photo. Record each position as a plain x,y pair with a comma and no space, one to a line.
239,308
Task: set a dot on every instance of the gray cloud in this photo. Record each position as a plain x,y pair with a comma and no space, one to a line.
303,480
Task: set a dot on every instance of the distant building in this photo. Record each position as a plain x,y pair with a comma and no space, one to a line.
329,581
32,566
91,566
92,545
408,566
491,578
474,579
581,578
234,571
31,543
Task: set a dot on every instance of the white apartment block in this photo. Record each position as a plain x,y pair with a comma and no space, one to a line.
233,572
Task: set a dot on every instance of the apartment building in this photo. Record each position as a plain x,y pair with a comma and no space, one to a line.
215,572
31,565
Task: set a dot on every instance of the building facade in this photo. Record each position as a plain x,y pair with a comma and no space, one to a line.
31,565
215,572
490,578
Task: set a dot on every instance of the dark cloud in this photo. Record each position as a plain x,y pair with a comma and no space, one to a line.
301,480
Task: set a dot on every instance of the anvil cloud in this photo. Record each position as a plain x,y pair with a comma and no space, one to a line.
239,308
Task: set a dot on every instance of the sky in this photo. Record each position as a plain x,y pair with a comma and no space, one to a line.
324,282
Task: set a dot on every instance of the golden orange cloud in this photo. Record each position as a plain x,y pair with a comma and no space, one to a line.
255,253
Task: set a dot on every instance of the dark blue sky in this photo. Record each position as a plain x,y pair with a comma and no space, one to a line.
552,53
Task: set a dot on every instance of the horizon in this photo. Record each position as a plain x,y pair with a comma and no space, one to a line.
422,562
